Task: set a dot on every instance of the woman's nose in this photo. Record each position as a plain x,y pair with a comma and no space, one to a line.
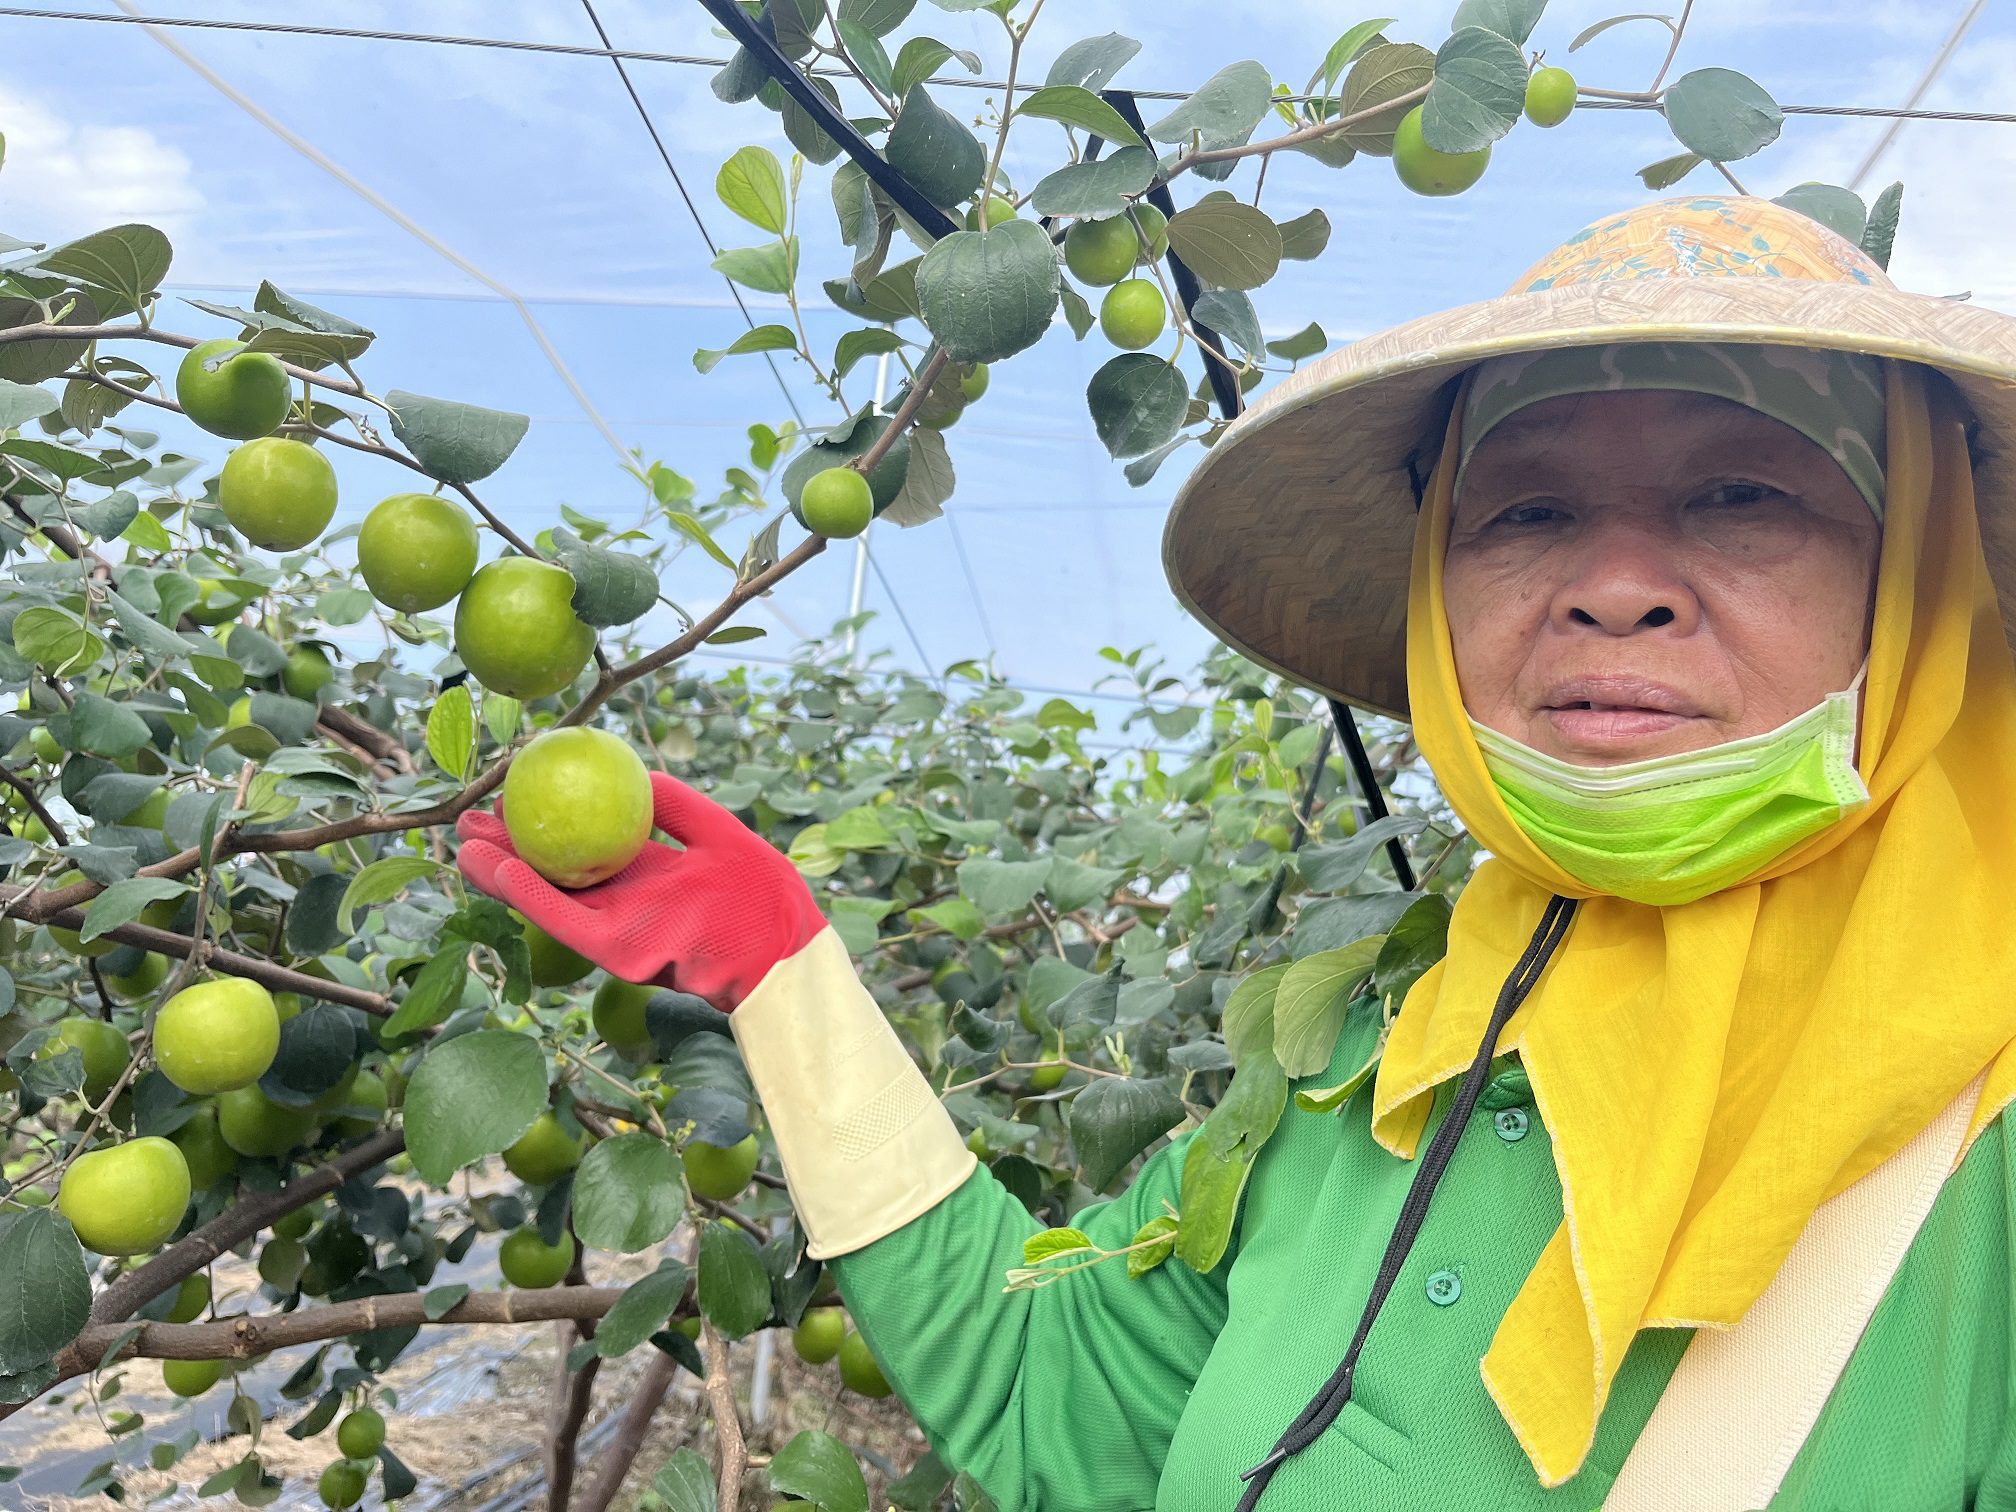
1623,581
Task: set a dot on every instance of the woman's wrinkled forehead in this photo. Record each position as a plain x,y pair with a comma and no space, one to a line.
1834,399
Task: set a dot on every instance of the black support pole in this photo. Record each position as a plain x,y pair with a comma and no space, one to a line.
1368,784
760,40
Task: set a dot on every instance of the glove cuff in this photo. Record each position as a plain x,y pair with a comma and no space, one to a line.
866,1145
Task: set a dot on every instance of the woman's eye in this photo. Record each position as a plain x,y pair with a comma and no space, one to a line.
1533,512
1737,495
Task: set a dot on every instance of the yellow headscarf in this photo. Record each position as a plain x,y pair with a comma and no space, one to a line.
1712,1072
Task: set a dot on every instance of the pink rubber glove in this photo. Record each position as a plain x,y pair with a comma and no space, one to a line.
711,919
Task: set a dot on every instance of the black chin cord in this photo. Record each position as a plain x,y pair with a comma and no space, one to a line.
1335,1392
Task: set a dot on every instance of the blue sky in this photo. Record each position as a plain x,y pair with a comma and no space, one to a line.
535,171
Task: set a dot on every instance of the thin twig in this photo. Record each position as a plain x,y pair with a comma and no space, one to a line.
27,791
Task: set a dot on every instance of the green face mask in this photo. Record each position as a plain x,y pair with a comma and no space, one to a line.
1676,828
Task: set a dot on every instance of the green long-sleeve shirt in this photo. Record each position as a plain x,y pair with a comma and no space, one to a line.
1101,1392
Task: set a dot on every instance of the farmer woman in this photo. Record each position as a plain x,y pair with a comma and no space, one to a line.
1689,561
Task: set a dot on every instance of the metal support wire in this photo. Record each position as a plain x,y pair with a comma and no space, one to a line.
692,209
1368,784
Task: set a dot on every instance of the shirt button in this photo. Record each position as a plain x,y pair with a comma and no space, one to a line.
1512,1124
1444,1287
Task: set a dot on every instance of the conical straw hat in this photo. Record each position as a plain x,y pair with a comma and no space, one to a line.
1292,539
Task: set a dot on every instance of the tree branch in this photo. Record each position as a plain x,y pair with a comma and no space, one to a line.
181,946
242,1338
46,332
186,1256
615,1461
1290,139
27,790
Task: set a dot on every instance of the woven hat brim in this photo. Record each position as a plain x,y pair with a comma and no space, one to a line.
1293,538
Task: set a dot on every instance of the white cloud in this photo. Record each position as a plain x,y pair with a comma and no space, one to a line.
64,178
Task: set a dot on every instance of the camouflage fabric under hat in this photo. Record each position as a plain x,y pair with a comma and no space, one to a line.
1834,399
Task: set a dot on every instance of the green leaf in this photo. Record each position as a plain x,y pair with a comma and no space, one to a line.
1223,111
989,294
1247,1020
1345,49
1478,92
870,341
1307,342
1094,1002
877,17
1591,32
685,1483
1159,1235
501,716
610,587
1309,1006
770,269
1221,1156
766,338
381,881
1330,1099
1138,402
1092,62
122,902
45,1291
734,1288
451,732
457,443
934,150
1334,866
1416,941
927,482
435,994
257,653
1881,232
22,402
818,1468
751,183
1098,189
642,1310
274,301
1382,73
1073,885
1513,20
956,916
1231,313
1667,172
318,1048
56,640
919,59
1304,238
129,260
1723,115
1227,243
1045,1243
999,887
1839,210
474,1096
855,437
1113,1120
629,1193
1076,106
104,728
442,1300
868,53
